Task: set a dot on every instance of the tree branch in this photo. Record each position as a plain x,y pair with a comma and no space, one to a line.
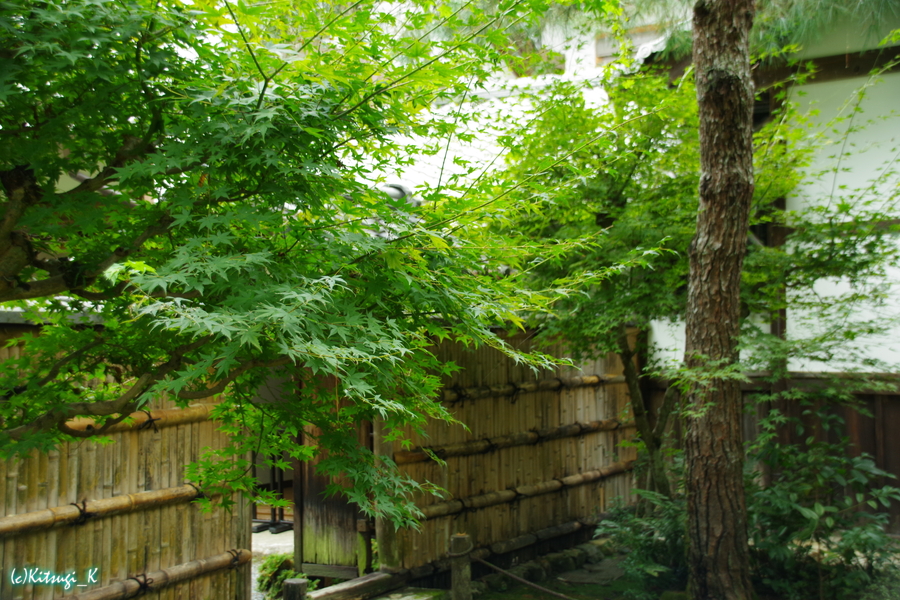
92,184
21,191
123,405
58,416
57,284
220,386
670,401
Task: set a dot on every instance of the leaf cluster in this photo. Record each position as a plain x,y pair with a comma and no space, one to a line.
190,208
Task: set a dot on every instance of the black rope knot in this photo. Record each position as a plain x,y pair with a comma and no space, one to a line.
150,422
83,514
200,494
515,393
235,558
460,393
143,583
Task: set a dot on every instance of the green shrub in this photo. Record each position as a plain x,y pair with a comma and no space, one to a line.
816,528
816,525
274,570
654,540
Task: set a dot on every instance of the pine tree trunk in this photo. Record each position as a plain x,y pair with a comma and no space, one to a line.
718,554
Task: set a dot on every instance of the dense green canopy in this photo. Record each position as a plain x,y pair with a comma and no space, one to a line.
190,207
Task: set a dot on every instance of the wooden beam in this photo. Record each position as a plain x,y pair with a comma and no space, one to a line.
127,503
335,571
157,580
368,586
831,68
168,417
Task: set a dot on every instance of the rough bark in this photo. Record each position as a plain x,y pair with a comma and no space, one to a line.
718,554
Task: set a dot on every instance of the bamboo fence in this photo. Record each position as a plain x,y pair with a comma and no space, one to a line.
541,450
134,516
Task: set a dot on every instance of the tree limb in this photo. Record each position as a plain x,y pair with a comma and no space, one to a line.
55,417
220,386
123,405
670,401
22,191
57,284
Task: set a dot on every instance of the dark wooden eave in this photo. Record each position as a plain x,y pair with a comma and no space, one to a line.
831,68
827,68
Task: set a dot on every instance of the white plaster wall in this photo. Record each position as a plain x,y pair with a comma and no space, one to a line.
859,150
842,170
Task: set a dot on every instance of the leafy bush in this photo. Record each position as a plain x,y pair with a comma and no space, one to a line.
816,525
655,541
274,570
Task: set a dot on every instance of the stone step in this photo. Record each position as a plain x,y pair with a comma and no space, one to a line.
412,593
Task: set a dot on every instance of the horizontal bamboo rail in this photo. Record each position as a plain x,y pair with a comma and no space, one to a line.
166,577
544,385
452,507
523,541
405,457
167,417
127,503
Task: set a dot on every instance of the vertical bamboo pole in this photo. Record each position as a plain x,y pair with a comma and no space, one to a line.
294,589
460,567
385,532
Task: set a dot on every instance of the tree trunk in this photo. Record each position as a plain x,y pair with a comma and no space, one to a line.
658,481
718,554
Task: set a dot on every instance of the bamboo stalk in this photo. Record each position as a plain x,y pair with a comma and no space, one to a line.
405,457
516,543
442,509
489,499
536,489
511,389
167,417
127,503
165,577
548,533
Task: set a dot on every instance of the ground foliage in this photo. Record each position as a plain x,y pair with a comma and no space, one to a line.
190,208
274,570
814,516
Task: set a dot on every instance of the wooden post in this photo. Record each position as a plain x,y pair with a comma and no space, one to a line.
460,566
294,589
